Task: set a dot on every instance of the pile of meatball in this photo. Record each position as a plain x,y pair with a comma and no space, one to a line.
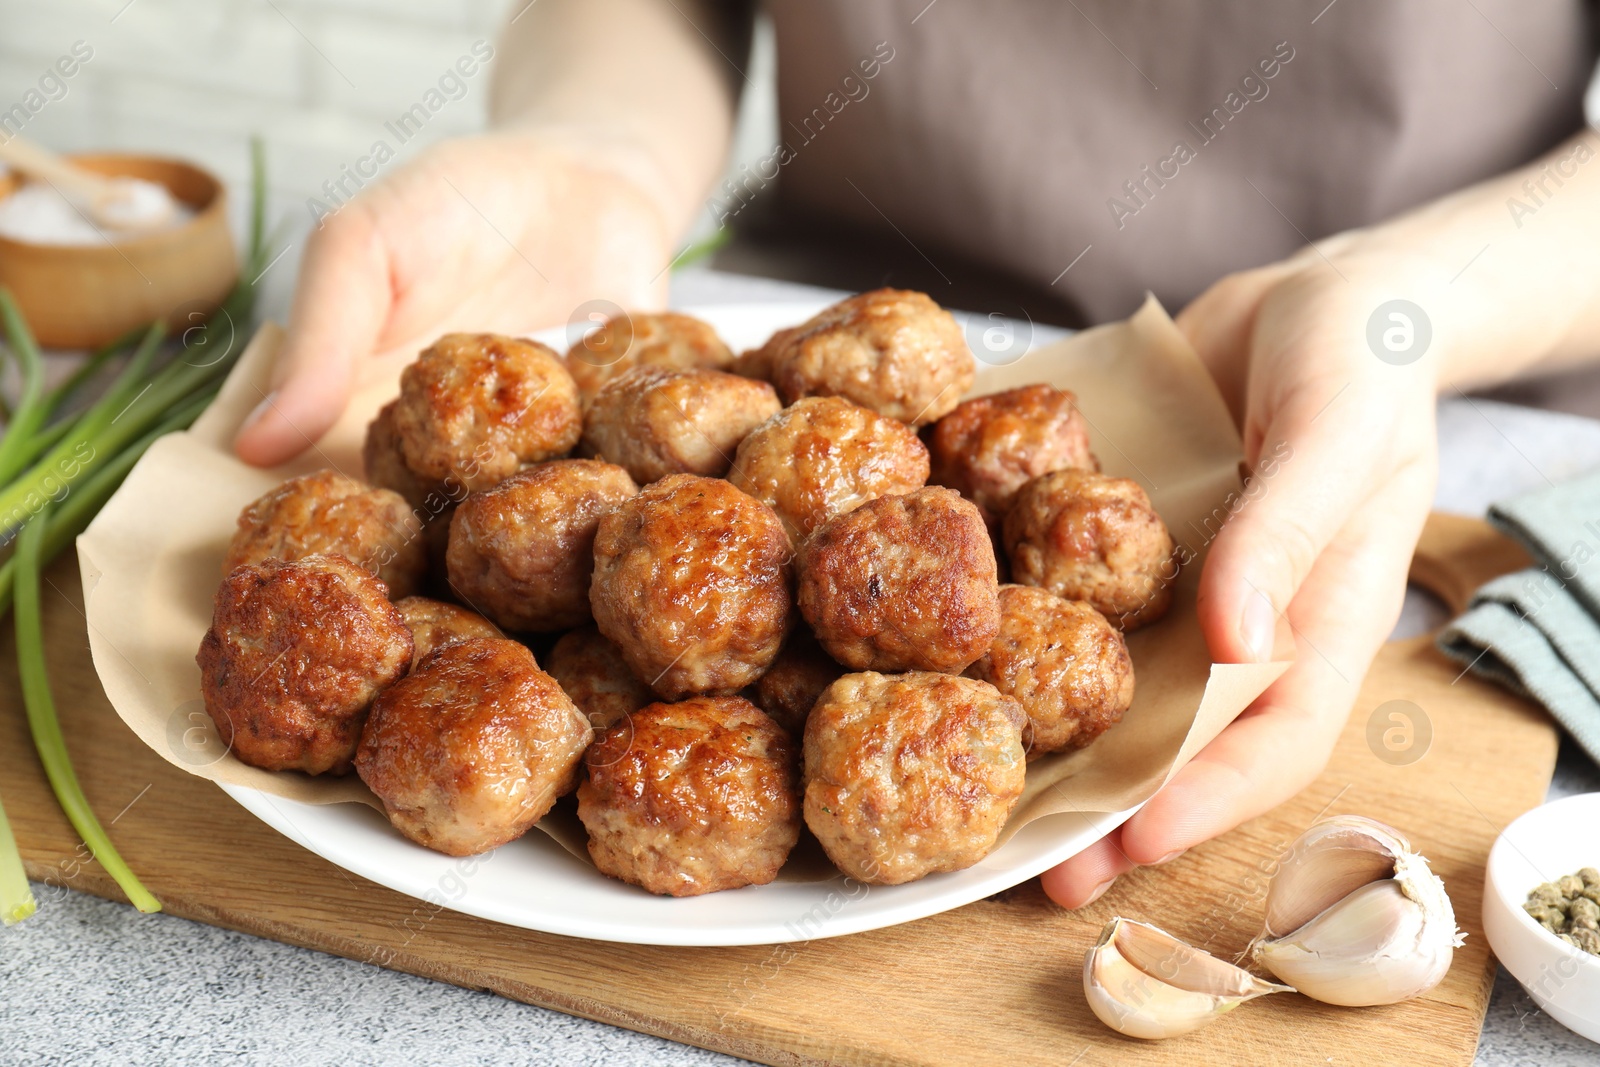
719,598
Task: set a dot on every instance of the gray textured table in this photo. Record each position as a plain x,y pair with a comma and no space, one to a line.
86,981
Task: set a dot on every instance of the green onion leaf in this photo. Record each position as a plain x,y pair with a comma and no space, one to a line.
30,412
46,727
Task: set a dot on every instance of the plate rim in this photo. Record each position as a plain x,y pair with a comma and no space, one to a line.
840,924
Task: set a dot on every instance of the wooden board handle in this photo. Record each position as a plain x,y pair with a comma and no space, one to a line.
1457,554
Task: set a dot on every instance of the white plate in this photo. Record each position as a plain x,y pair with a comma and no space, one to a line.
536,884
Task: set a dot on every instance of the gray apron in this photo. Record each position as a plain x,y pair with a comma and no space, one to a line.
1100,148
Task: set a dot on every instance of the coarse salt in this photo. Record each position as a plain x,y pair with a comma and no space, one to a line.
38,214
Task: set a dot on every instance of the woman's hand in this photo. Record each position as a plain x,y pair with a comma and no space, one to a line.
1314,566
501,233
1343,447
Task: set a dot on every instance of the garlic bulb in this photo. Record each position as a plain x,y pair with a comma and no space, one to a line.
1354,917
1143,982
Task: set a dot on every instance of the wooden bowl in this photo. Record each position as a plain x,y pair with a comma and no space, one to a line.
85,296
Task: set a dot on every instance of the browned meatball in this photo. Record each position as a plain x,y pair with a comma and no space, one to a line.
657,422
693,580
891,350
523,552
692,797
795,680
824,456
1063,662
328,513
757,362
1088,536
294,657
384,463
638,339
473,748
476,406
433,503
902,583
989,445
434,624
593,673
907,775
436,536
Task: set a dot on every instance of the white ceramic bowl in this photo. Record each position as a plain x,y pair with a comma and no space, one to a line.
1541,846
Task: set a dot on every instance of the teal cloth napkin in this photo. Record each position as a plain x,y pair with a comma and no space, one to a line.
1537,632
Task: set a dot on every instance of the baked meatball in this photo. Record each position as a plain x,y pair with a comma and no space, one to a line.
822,457
795,680
894,351
638,339
473,748
1063,662
433,503
295,655
1088,536
902,583
436,536
910,774
655,422
694,582
434,624
692,797
476,406
989,445
757,362
591,671
326,513
385,465
523,552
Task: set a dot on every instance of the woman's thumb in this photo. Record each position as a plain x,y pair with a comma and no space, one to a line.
1310,476
341,304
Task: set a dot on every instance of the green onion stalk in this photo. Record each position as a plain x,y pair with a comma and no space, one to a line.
56,472
46,727
57,398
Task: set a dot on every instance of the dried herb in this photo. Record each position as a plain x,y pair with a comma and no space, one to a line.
1569,907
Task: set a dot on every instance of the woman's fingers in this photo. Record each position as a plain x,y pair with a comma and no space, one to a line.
341,303
500,233
1257,763
1320,455
1082,879
1219,324
1262,759
1343,614
1317,546
1327,424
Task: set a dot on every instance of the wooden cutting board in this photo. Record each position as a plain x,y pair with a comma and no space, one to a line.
996,982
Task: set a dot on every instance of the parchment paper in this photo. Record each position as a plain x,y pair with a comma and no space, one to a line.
152,560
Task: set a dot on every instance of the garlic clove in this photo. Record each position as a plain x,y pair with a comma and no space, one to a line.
1354,917
1328,862
1377,946
1143,982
